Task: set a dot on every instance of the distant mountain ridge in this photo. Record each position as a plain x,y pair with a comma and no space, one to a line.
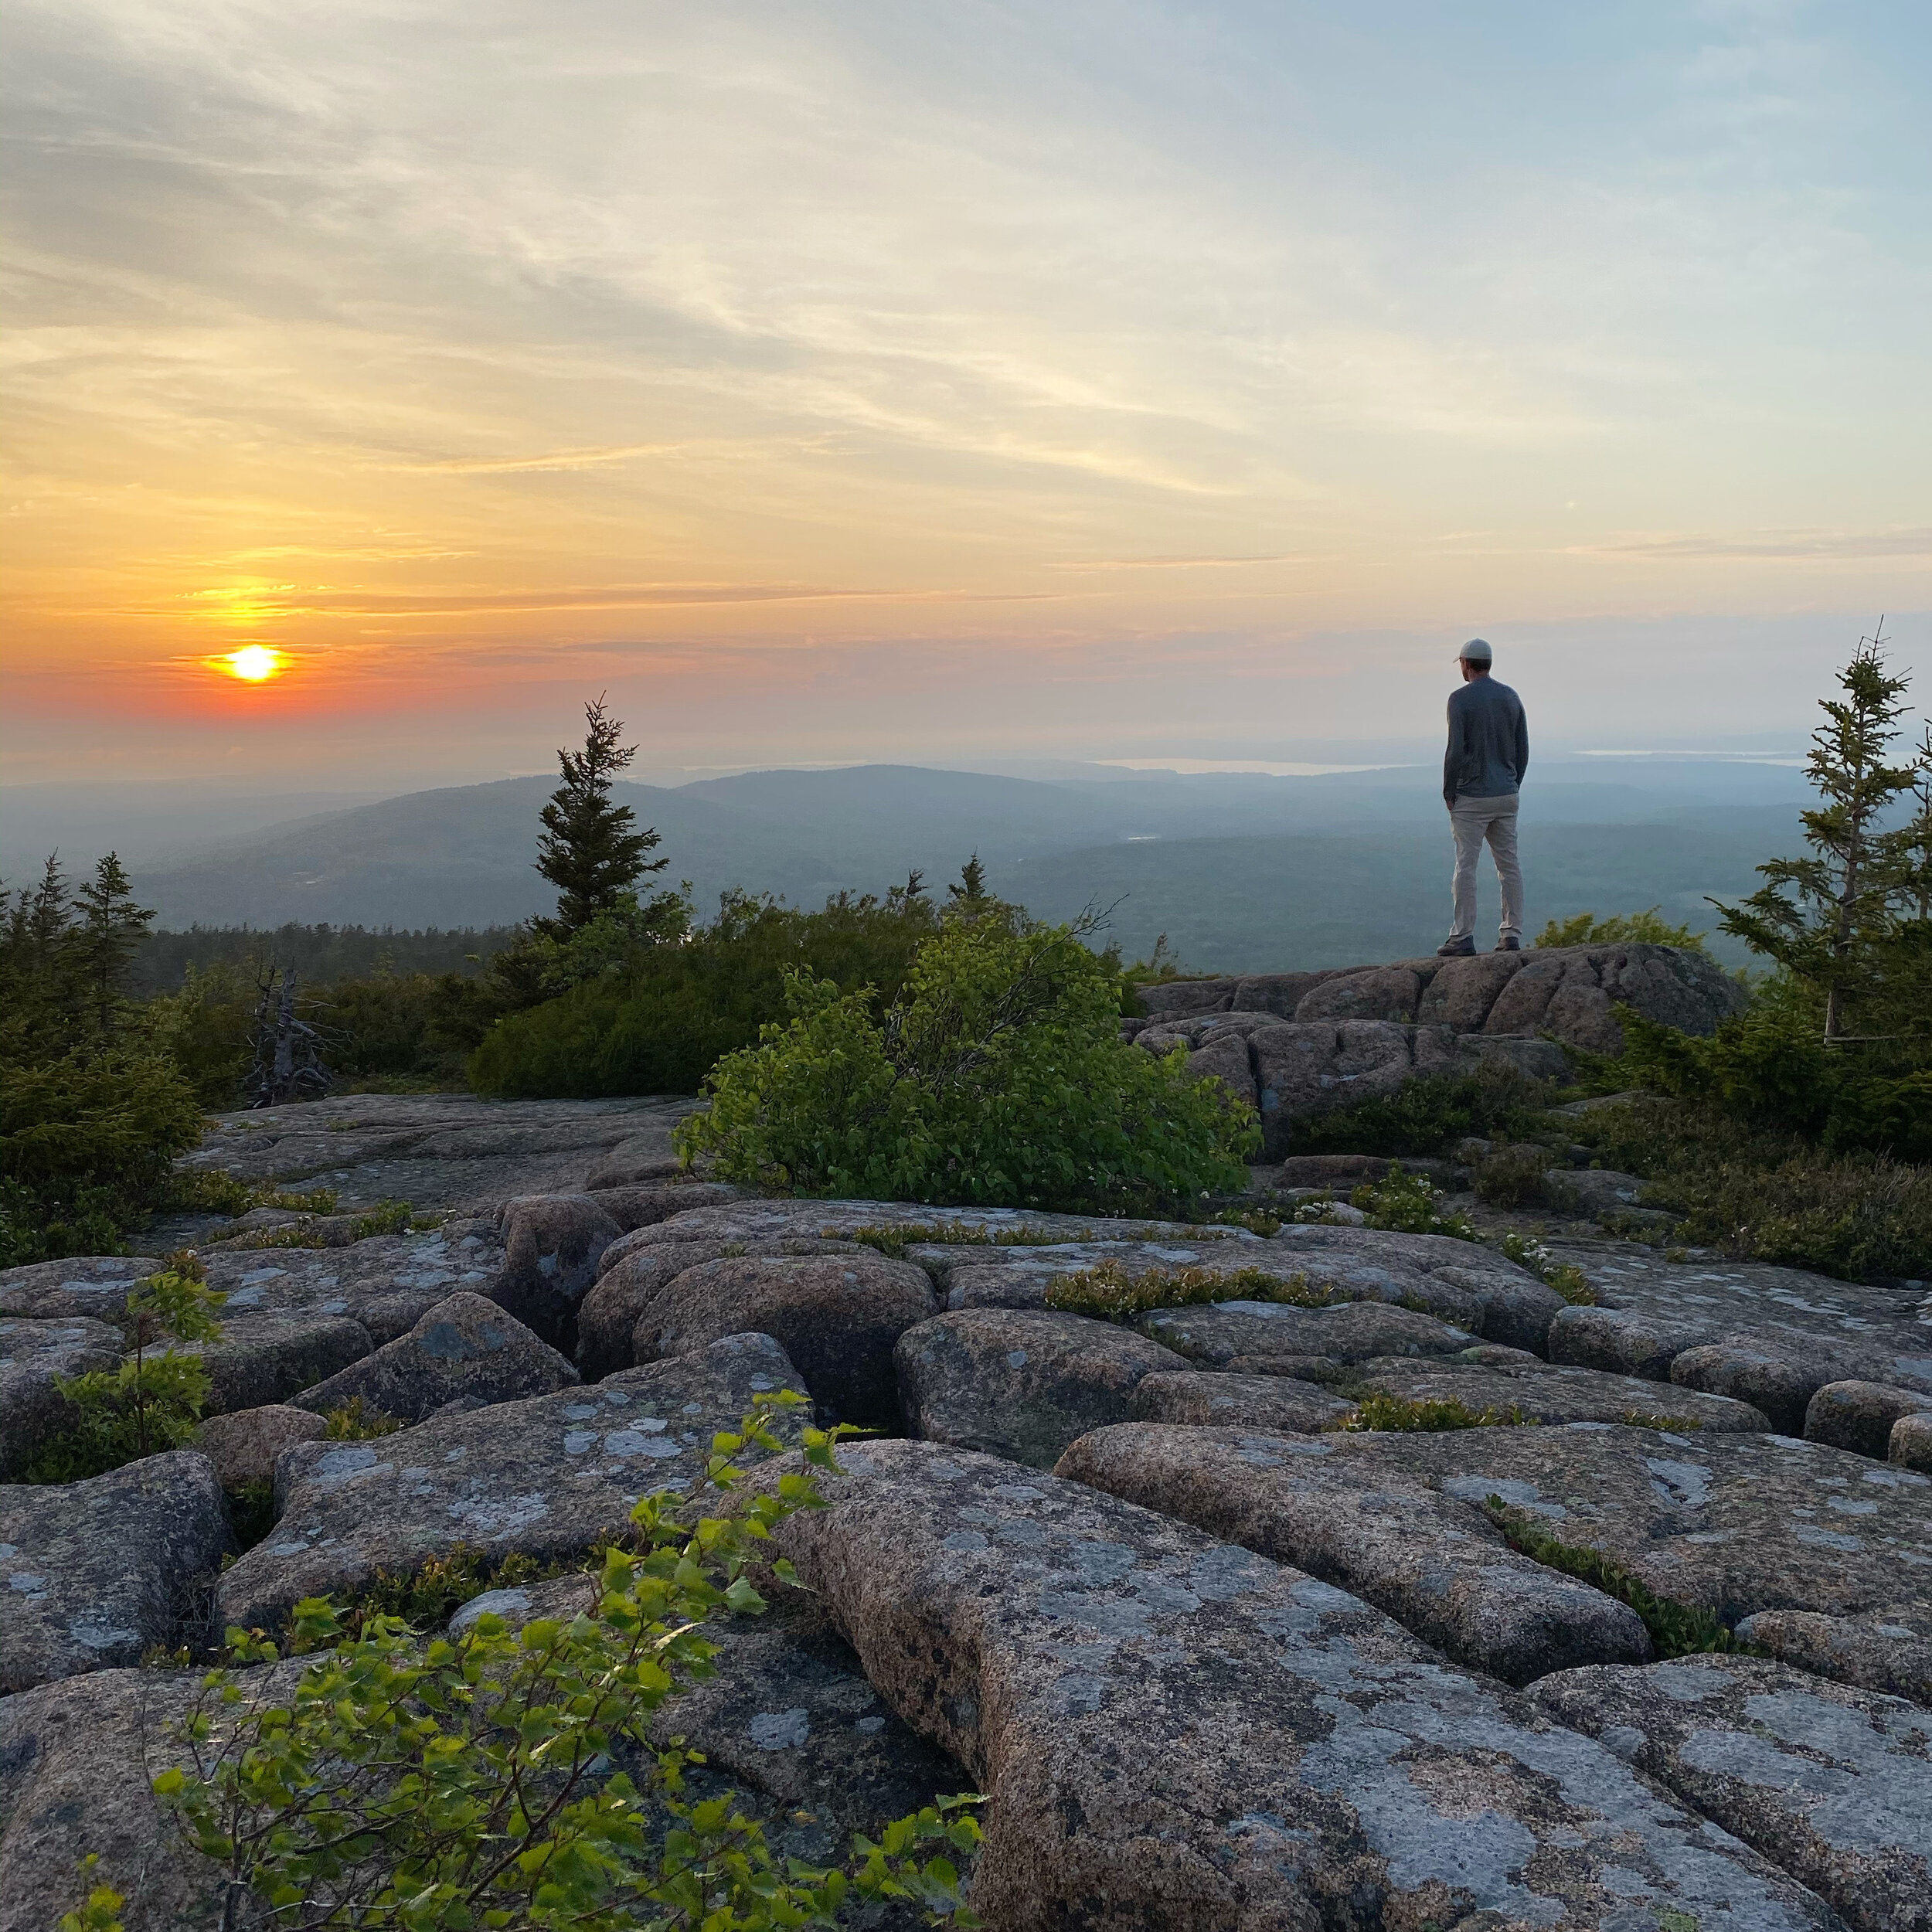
1242,873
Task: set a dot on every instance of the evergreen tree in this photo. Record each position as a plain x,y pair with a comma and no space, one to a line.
1830,918
102,943
969,894
588,850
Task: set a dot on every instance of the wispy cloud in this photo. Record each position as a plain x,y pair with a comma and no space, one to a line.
1915,541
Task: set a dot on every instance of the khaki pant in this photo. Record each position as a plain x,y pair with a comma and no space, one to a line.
1473,820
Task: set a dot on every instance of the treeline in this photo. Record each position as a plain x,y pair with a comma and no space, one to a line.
315,953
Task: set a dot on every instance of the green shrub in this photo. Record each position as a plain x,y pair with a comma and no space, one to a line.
1109,1293
151,1402
355,1421
1645,928
1430,1115
1514,1176
405,1786
1403,1203
997,1077
1770,1196
1378,1412
87,1142
1676,1630
660,1018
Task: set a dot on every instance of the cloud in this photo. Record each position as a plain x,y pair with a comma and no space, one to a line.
1795,544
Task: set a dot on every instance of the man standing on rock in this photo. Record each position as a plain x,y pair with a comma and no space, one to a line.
1481,774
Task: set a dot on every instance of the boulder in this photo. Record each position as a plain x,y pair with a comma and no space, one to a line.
1859,1416
627,1286
1622,1341
1850,1650
545,1477
552,1244
465,1349
836,1316
35,1357
1215,1333
1773,1376
96,1571
1017,1278
1021,1383
1340,1172
243,1446
1260,1401
1570,992
1381,993
1834,1786
1909,1445
1540,1393
1174,1733
267,1357
1443,1573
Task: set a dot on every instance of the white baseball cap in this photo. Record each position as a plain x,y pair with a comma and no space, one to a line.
1476,650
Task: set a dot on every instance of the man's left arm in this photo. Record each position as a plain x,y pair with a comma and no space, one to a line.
1522,744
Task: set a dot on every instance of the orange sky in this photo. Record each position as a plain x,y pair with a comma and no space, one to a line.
833,384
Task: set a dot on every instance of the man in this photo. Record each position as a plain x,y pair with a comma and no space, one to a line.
1481,774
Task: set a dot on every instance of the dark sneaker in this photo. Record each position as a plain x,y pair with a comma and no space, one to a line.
1456,948
1509,945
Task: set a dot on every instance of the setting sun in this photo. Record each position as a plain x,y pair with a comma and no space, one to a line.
254,663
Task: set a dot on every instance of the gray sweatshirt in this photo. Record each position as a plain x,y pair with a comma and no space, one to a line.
1488,742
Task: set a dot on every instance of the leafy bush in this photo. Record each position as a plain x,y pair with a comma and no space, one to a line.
1430,1116
151,1402
997,1077
1645,928
1109,1293
470,1782
1404,1203
657,1020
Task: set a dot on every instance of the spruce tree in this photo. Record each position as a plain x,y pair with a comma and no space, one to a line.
102,943
1829,919
588,850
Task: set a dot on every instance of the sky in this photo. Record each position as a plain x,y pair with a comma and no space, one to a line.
896,381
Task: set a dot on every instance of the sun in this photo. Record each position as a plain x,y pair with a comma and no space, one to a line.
254,663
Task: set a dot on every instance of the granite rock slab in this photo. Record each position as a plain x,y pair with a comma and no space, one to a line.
837,1317
545,1477
35,1357
1271,1402
268,1355
1173,1732
1832,1785
1862,1650
1540,1391
1021,1383
94,1285
94,1573
467,1348
1442,1572
1729,1522
77,1762
1216,1333
552,1244
449,1152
